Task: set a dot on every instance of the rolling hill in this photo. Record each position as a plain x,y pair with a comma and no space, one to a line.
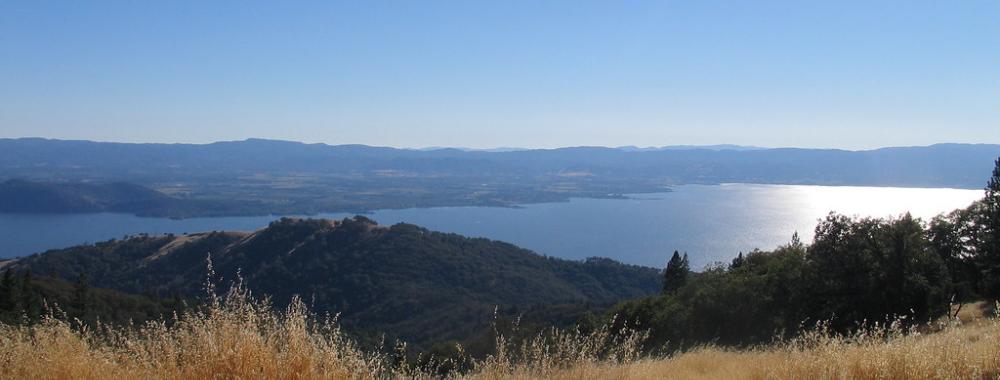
404,280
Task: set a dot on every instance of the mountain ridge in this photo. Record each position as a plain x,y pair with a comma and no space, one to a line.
261,177
636,148
401,279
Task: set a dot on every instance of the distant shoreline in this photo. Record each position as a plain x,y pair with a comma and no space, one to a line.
369,211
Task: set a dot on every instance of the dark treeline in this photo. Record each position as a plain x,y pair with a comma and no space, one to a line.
26,298
855,272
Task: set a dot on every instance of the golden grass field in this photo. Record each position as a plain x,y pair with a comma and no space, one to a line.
237,338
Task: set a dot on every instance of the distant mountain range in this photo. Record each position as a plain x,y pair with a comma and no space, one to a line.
631,148
627,148
265,176
405,280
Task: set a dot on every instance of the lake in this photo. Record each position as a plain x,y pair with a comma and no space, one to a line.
709,222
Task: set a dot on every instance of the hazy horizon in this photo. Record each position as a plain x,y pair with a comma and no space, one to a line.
719,146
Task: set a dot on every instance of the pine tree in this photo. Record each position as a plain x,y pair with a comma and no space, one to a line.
992,202
796,242
81,293
28,302
737,262
8,297
990,254
676,273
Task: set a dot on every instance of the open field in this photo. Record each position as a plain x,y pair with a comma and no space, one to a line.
236,337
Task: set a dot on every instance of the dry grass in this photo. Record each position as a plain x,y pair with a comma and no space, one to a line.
235,337
956,352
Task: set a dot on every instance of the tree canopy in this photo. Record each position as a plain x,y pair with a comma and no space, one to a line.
676,273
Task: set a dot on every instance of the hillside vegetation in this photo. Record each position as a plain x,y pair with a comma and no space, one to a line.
403,280
27,298
236,337
856,272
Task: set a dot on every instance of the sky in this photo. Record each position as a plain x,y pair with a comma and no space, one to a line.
832,74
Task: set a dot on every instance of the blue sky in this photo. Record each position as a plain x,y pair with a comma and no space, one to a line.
838,74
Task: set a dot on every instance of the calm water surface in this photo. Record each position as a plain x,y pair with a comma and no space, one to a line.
711,223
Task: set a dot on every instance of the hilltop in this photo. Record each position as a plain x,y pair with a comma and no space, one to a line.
403,280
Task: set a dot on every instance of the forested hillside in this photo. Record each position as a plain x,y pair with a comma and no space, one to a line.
402,280
27,298
855,273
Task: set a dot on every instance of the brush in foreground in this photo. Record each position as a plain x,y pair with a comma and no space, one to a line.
236,337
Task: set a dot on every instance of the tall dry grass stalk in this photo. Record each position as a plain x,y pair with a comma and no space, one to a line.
955,351
232,337
949,350
237,337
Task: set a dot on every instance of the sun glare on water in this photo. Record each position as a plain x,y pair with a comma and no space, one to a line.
882,201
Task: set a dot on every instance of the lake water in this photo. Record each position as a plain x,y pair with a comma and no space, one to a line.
710,222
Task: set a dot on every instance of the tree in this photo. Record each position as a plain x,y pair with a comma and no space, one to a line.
796,242
81,292
872,269
7,291
8,297
737,262
949,237
990,253
29,301
676,273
